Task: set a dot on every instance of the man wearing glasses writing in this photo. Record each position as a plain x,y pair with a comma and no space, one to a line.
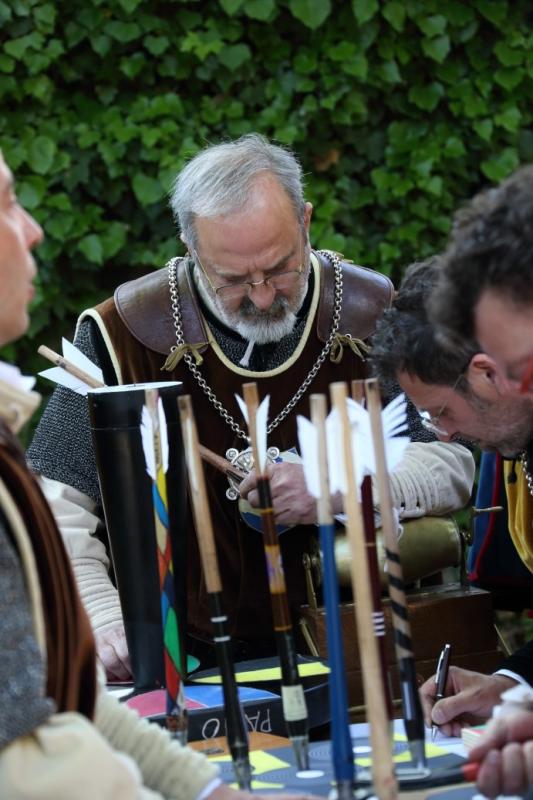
250,301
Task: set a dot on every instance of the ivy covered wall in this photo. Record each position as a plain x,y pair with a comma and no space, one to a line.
398,109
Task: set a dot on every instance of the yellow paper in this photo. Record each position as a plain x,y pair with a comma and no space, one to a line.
271,674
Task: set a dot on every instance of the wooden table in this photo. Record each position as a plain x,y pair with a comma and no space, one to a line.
257,741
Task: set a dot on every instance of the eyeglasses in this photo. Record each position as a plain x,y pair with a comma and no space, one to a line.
281,281
432,423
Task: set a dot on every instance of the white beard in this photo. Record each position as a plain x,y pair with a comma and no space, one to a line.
252,324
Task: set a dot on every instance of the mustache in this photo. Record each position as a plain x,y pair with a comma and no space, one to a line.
278,308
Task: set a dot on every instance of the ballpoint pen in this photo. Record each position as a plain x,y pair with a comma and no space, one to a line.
441,677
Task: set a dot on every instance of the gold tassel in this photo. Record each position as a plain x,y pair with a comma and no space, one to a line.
357,346
177,353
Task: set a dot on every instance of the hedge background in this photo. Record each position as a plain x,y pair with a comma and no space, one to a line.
398,111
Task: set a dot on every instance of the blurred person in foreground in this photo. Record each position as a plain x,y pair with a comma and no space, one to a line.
61,735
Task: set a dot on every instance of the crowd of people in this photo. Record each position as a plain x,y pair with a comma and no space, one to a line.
251,300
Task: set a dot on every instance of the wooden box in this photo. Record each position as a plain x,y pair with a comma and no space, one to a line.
452,613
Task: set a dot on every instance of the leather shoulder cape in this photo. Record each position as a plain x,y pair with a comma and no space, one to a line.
365,295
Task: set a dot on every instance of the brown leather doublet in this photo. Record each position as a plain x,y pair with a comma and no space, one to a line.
139,323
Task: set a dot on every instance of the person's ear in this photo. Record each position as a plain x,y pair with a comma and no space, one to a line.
308,213
483,373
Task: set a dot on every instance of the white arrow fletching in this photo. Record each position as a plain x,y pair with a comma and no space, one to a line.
261,422
147,436
63,378
335,446
78,358
163,434
242,406
193,477
308,438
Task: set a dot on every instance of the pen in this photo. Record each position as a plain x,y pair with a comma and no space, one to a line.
441,677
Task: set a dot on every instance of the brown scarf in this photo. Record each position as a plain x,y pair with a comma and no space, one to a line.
69,639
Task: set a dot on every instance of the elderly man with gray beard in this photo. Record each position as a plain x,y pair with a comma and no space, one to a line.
250,301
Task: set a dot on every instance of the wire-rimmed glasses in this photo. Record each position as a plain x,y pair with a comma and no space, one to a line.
279,281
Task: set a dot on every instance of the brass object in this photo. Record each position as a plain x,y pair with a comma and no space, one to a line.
427,545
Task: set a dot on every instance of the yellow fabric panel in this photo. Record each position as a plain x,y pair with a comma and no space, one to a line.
520,513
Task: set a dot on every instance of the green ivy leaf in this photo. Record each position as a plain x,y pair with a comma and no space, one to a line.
437,48
40,87
156,45
235,56
101,44
133,65
7,64
91,247
59,226
259,9
509,119
357,66
113,239
31,192
18,47
45,16
426,97
501,165
364,10
129,6
454,148
496,11
434,25
343,51
509,78
458,13
394,13
5,13
305,61
508,56
147,190
41,152
484,128
231,6
311,12
123,31
389,72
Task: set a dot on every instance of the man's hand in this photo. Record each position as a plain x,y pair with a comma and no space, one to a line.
224,792
470,699
112,651
506,755
290,499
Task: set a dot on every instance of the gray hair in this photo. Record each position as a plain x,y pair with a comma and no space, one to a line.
220,179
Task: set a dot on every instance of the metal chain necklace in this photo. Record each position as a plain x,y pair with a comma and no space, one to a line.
527,474
209,393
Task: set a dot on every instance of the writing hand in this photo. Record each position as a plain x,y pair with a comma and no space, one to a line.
470,698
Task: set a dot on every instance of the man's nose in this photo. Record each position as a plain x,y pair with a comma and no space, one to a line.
262,295
32,230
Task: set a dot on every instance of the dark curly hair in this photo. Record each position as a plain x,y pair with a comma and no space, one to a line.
406,341
491,247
